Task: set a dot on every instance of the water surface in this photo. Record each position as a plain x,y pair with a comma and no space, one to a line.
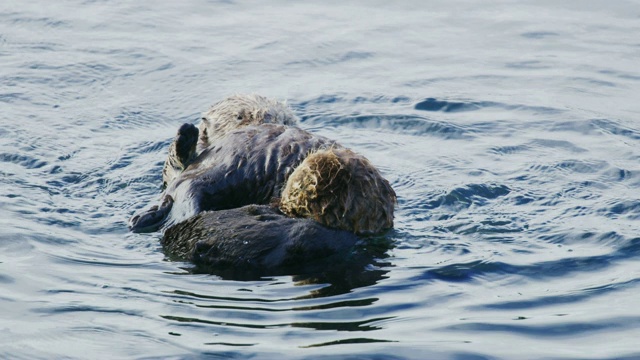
508,129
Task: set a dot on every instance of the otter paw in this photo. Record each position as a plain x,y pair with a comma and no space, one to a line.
186,141
152,219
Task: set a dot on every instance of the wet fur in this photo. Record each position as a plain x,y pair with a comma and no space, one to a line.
254,239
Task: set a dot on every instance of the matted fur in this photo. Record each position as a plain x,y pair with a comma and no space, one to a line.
241,110
342,190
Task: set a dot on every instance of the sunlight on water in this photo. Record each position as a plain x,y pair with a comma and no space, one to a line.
509,132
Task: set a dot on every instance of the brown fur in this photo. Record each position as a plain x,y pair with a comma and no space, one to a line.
342,190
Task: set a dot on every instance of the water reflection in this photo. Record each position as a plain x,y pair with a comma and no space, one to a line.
313,299
362,266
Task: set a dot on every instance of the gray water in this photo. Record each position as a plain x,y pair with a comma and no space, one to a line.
509,129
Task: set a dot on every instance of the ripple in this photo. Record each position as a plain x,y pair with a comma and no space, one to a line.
231,344
130,119
592,81
509,150
304,107
554,300
621,74
322,306
467,272
448,106
24,160
14,97
353,341
4,279
40,21
581,167
614,128
629,208
413,125
528,65
572,168
362,325
557,144
539,34
432,104
565,329
332,59
84,308
472,194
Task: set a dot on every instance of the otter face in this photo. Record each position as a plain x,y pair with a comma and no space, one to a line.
238,111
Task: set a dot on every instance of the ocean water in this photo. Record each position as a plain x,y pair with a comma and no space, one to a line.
510,131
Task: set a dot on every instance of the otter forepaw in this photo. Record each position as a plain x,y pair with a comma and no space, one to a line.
152,219
182,152
186,141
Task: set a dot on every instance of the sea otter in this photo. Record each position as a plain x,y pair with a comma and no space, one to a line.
321,195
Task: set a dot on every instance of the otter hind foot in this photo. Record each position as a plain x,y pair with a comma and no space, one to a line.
152,219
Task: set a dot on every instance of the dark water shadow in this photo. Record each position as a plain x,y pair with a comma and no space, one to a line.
349,341
554,300
255,242
349,326
471,194
362,266
560,330
402,124
470,271
449,106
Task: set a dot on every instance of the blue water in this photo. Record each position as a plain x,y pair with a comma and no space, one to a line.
510,131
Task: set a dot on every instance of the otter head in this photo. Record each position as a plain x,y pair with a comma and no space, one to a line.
241,110
340,189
